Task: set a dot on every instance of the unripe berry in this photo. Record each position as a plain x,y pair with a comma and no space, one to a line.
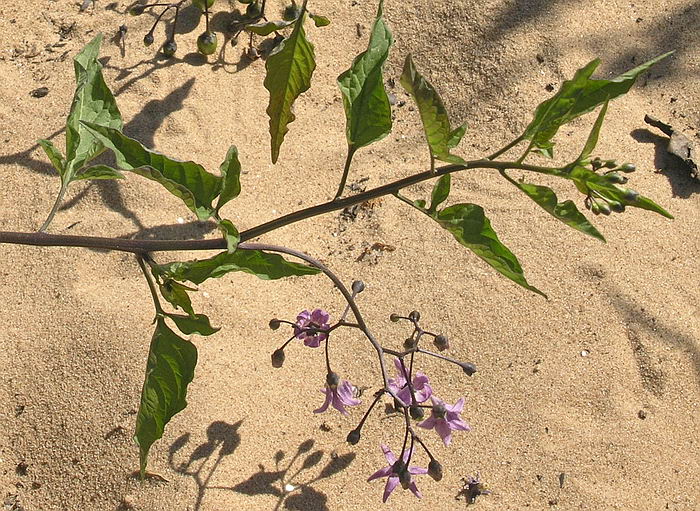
253,10
627,168
468,368
148,39
291,12
274,324
617,207
169,48
206,43
416,412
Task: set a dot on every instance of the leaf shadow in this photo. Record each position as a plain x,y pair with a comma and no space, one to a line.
682,185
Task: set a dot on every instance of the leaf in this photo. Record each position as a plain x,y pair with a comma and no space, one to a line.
577,97
470,227
592,140
441,191
456,136
230,170
99,172
170,368
93,102
176,294
366,103
230,235
566,212
261,264
319,21
289,71
267,27
54,155
436,123
185,179
199,324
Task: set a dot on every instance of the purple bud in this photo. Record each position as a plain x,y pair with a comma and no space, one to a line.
441,342
278,358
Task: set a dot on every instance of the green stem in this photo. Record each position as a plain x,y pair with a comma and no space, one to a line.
56,205
151,286
504,149
346,171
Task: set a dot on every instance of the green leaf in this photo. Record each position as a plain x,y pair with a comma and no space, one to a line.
436,124
588,182
366,103
456,136
578,96
176,294
267,27
185,179
320,21
54,155
261,264
99,172
230,235
188,325
566,212
230,170
93,102
470,227
441,191
592,140
170,368
289,71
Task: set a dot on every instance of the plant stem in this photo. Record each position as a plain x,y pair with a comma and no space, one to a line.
505,148
346,171
56,205
151,286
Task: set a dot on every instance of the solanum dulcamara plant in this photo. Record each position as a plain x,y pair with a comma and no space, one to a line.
94,125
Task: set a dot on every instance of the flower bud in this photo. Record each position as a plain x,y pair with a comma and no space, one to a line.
630,195
358,286
441,342
332,379
468,368
435,469
414,316
604,207
405,478
416,412
353,437
278,358
274,324
595,208
596,163
627,168
610,164
616,178
617,207
409,343
137,10
148,39
394,318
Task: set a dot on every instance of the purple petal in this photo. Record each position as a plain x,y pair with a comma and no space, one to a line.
400,373
428,423
412,486
417,471
329,396
457,424
457,407
345,393
443,429
391,483
390,456
382,472
311,341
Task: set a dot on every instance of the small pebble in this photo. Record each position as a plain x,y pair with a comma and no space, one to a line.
289,487
40,92
180,220
642,414
585,353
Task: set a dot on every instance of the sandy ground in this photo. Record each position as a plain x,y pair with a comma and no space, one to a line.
621,424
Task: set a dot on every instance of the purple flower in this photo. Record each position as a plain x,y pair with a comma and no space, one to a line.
421,385
445,419
393,477
316,320
340,396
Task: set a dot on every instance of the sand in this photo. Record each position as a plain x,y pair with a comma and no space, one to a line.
587,400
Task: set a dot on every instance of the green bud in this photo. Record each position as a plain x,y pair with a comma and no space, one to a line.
616,178
629,195
274,324
441,342
610,164
627,168
291,12
253,10
617,207
358,286
595,208
604,207
409,343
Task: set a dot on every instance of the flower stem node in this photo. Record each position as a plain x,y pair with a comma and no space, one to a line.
278,358
441,342
435,469
358,286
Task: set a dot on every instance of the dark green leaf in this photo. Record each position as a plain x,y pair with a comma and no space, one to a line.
54,155
230,235
267,27
320,21
231,172
289,71
93,102
185,179
577,97
99,172
366,103
441,191
566,212
263,265
592,140
176,294
436,124
470,227
170,368
188,325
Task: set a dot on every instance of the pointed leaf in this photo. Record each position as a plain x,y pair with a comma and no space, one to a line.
456,136
176,294
94,102
99,172
436,124
319,21
170,368
230,235
470,227
592,140
366,103
566,212
267,27
188,325
231,172
441,191
289,71
261,264
578,96
54,155
185,179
